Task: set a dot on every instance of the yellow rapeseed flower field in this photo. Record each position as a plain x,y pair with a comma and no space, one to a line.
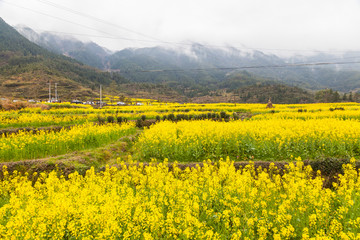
216,201
29,145
67,114
151,202
268,138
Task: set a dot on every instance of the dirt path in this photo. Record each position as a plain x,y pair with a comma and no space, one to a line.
78,160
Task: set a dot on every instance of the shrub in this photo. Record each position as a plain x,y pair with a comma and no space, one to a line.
101,120
119,119
222,114
171,117
110,119
236,116
139,123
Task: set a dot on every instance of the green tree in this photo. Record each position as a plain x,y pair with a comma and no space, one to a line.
327,95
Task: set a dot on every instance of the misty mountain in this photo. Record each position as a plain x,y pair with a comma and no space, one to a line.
88,53
184,57
194,69
192,57
190,60
26,69
183,65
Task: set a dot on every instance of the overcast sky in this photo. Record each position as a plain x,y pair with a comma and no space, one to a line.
286,25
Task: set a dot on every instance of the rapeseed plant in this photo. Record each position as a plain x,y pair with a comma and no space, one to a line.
151,202
28,145
268,139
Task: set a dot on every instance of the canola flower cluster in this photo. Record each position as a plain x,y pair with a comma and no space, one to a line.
66,114
344,114
268,134
231,107
152,202
29,145
268,139
35,117
41,120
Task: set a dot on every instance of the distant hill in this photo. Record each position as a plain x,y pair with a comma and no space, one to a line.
88,53
132,63
26,69
245,87
191,73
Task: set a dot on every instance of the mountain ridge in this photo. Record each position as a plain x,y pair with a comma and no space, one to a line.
131,61
26,69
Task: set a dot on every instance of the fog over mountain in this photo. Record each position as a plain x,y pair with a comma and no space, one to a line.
278,26
26,69
215,61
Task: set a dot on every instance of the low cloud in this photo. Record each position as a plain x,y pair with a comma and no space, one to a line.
279,25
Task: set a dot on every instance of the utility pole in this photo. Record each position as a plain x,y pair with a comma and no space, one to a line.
100,96
56,96
49,92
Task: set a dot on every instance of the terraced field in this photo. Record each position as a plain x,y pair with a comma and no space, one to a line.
170,171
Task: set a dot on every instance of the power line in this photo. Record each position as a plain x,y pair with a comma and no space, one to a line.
61,19
94,18
96,36
189,44
293,64
332,59
244,67
195,69
147,36
296,64
155,40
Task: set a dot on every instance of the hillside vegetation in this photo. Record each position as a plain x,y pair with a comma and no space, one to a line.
25,70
